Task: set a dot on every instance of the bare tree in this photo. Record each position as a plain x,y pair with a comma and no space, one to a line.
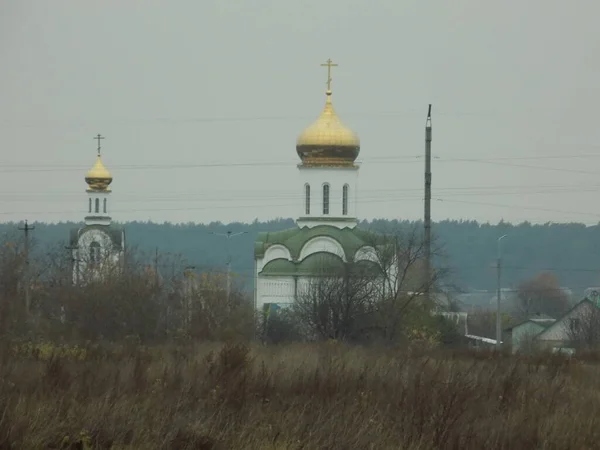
335,302
541,294
369,296
401,258
583,327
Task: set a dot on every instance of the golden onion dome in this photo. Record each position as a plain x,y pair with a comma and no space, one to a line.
98,177
328,141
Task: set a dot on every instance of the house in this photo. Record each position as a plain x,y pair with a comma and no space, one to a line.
578,326
523,334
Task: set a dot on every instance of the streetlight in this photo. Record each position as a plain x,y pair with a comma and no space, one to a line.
498,267
228,235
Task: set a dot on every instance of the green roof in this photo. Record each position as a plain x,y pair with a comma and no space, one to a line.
351,239
320,263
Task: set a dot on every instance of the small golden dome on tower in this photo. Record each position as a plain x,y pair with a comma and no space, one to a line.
328,141
98,177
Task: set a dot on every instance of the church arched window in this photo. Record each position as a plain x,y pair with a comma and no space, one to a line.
345,200
326,198
94,252
90,205
307,199
104,206
97,205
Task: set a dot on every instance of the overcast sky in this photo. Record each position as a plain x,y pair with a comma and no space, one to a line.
184,89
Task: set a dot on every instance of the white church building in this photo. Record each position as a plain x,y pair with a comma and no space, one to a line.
99,245
326,231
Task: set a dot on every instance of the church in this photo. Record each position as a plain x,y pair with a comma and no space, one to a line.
98,246
326,232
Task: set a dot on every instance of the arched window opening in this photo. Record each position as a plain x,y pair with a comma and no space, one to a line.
94,252
325,199
104,206
345,200
90,205
97,205
307,199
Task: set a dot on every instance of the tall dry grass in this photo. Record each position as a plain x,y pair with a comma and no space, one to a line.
324,396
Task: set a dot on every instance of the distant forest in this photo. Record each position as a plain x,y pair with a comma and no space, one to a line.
571,251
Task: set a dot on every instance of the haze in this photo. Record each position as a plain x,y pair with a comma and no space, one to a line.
177,87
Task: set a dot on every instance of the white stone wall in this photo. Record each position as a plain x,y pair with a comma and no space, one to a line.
107,255
274,290
336,178
99,216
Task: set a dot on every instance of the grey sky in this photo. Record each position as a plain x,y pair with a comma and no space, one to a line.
509,82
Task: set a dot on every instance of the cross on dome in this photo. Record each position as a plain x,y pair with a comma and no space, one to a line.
329,64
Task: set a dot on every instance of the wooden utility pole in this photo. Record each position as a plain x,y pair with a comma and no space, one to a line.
26,229
427,218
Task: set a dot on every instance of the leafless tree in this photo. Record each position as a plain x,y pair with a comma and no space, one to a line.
401,256
335,302
541,294
370,295
583,327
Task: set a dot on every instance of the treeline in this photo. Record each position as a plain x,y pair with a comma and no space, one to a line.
468,248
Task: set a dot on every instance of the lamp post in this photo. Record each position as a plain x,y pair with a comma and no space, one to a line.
228,235
499,272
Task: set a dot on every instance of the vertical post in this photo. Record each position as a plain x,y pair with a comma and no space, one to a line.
74,264
427,215
27,229
229,235
498,294
228,268
156,279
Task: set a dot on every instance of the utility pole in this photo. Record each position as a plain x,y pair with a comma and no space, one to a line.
229,235
26,229
427,217
499,271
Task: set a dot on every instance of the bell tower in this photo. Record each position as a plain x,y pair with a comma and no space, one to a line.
328,171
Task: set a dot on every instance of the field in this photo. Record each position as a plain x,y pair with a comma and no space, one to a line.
325,396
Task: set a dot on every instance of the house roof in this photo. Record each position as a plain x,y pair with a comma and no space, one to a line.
544,323
573,308
351,239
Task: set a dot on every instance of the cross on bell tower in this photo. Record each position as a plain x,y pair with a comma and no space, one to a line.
98,138
329,64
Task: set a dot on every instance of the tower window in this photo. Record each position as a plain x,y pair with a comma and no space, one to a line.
104,206
90,205
345,200
97,205
94,253
307,199
325,199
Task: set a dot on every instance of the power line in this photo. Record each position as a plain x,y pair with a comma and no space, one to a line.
8,167
590,214
225,197
362,200
294,192
29,123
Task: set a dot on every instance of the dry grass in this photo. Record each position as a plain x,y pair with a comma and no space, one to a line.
299,396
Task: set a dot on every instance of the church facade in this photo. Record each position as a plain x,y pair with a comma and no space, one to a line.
99,245
326,234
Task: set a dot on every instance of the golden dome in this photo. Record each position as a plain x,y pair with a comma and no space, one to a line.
98,177
327,141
